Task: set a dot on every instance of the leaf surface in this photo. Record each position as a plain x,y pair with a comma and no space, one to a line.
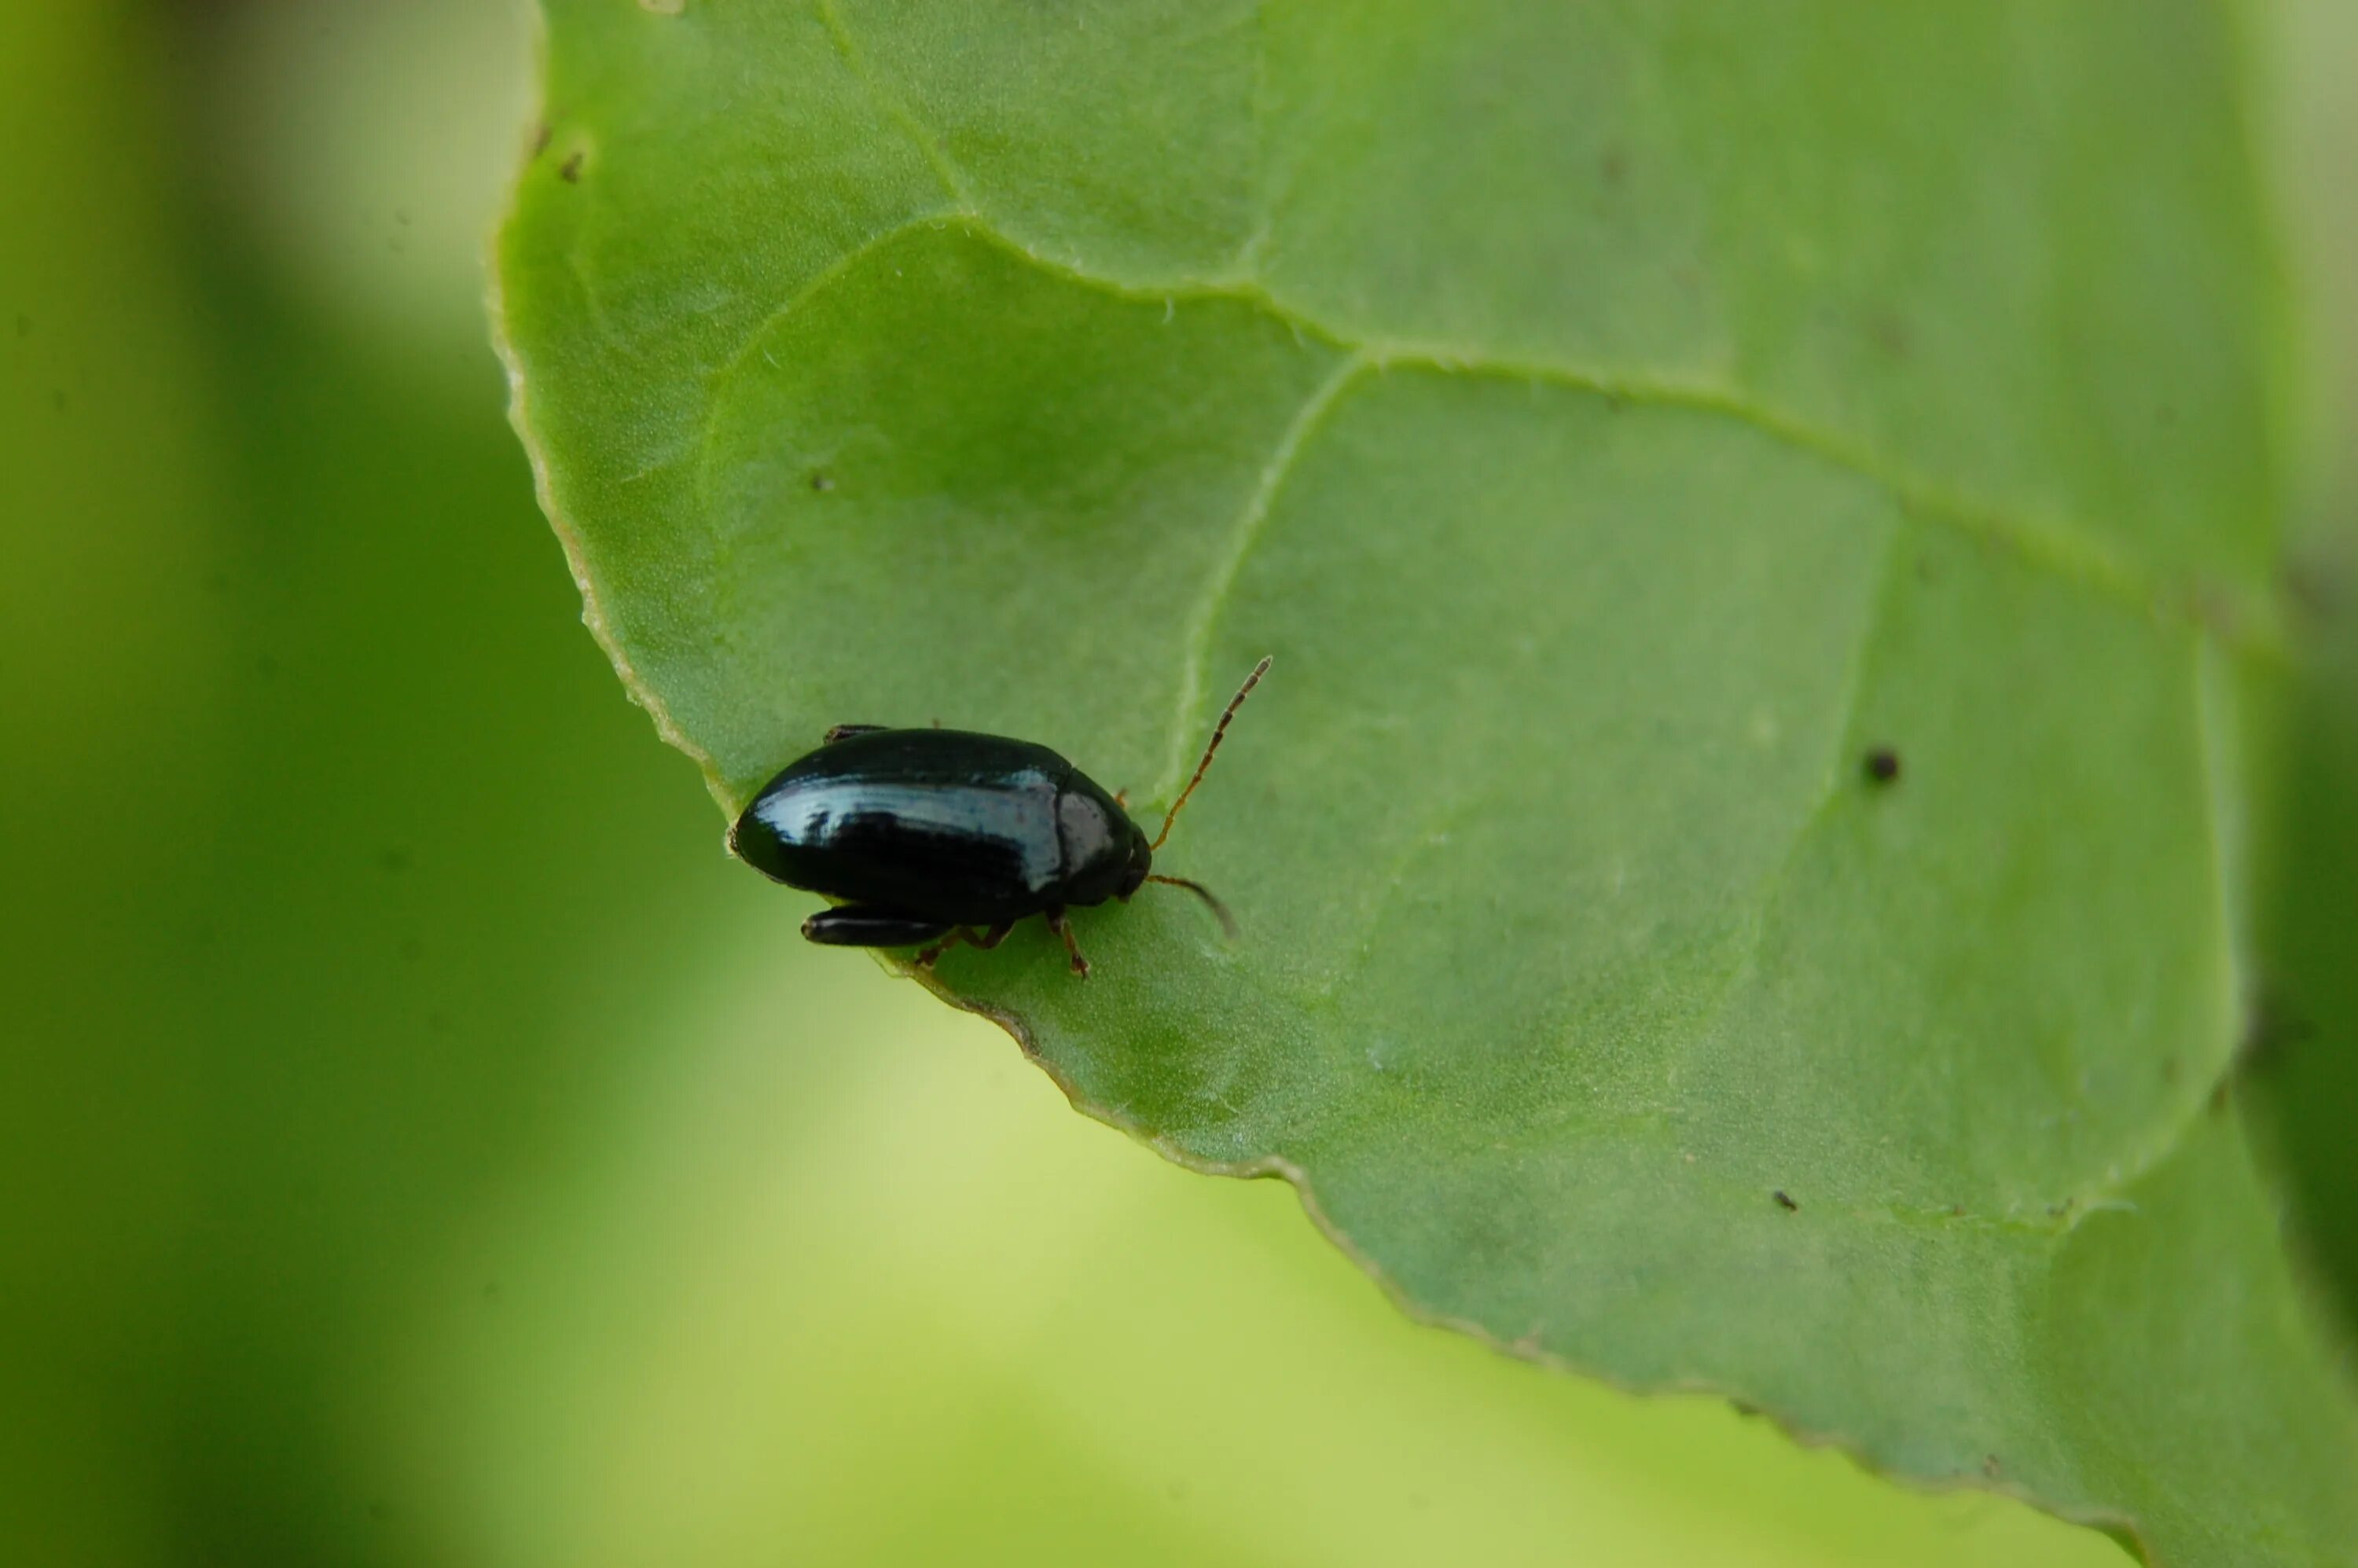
1617,422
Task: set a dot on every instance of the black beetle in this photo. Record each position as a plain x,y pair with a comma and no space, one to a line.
924,833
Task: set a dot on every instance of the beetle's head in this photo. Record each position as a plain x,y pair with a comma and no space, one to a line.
1141,861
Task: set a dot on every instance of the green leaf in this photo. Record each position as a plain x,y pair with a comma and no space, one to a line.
1616,424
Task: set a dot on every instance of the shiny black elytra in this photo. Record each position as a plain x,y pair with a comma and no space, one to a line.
925,835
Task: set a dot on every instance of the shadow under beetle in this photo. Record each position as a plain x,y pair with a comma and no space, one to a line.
925,835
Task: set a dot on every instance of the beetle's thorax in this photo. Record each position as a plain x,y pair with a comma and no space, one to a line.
1099,841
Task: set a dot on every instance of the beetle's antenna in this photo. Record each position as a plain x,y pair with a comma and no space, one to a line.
1218,731
1227,921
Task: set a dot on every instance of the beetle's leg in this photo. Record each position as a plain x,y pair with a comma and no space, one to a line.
1121,798
987,941
1057,924
859,925
846,732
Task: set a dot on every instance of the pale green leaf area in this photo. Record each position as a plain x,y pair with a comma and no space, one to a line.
848,1284
1615,421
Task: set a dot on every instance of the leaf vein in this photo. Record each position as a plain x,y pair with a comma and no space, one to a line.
1830,791
953,179
1242,535
2051,541
718,380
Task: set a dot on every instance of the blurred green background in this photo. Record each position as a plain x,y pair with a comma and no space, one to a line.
418,1144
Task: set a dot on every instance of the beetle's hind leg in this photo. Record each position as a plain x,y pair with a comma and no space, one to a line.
987,941
859,925
846,732
1057,924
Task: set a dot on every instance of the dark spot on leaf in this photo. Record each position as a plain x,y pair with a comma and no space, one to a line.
540,135
1990,1465
822,483
1783,1201
570,170
2058,1210
1882,764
